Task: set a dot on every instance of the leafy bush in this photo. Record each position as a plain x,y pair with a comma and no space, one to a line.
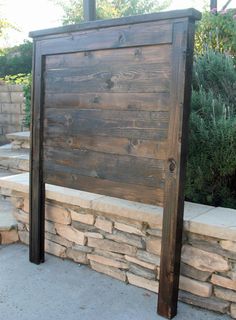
26,81
16,60
211,168
20,78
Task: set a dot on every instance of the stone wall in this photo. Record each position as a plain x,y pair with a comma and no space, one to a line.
11,110
123,240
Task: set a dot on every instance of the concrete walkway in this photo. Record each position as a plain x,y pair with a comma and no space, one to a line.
7,221
63,290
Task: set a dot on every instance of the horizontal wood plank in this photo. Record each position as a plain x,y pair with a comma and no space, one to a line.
120,168
127,191
149,33
142,119
94,127
129,56
124,146
112,101
108,78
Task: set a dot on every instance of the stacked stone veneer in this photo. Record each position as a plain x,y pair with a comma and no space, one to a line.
123,240
11,110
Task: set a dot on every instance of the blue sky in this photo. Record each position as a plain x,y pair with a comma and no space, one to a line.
30,15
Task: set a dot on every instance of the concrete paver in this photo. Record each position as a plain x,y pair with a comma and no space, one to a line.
63,290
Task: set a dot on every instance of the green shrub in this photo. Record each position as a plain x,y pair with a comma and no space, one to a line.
216,72
211,167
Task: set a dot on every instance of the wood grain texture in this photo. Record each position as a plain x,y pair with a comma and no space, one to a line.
57,125
108,78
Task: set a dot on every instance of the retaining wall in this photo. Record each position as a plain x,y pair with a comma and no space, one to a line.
123,240
11,110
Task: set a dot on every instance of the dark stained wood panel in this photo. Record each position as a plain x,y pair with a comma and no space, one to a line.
97,97
110,114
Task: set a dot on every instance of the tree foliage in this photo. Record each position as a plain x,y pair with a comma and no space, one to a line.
16,60
217,31
73,9
4,24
